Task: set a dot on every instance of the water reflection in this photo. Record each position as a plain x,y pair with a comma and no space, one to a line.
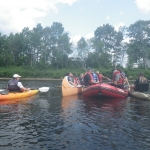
95,103
94,120
21,100
52,122
140,107
106,104
69,101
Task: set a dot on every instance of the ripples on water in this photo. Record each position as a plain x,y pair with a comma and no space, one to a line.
49,122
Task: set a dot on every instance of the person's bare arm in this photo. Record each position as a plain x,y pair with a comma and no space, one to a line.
93,82
24,89
105,78
72,83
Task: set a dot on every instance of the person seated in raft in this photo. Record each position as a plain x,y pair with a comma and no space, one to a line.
123,73
126,82
88,78
118,79
140,80
14,85
71,79
101,77
95,77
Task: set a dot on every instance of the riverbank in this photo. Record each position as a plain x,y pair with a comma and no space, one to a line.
52,74
46,79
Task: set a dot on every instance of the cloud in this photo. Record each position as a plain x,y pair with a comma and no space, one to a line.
126,40
143,5
90,35
118,25
108,17
17,14
75,38
121,13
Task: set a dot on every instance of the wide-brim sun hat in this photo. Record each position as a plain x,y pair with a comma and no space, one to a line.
16,76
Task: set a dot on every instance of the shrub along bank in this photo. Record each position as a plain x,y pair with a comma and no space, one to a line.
57,74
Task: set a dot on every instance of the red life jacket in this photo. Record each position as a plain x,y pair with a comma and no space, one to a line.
121,80
100,77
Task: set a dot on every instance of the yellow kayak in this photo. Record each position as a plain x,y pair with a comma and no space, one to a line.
18,95
68,89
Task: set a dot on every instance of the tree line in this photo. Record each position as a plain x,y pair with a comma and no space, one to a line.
51,47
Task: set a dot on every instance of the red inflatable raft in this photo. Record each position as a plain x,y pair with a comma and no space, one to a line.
104,89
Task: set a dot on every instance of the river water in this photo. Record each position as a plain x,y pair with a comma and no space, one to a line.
49,121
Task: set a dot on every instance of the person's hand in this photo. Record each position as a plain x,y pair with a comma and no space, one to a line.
115,82
28,89
108,79
79,85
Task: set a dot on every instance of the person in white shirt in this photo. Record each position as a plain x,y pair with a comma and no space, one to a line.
14,85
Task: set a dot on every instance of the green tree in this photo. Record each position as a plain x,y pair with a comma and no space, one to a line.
82,51
139,49
56,32
36,45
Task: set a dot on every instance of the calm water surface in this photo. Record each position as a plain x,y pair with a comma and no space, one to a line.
49,122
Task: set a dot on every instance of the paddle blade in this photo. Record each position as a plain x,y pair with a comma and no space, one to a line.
43,89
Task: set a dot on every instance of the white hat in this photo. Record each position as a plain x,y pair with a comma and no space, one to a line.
16,76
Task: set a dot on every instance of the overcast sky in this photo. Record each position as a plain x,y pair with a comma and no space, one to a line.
78,17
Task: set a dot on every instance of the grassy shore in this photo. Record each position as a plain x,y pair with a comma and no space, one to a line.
57,74
32,79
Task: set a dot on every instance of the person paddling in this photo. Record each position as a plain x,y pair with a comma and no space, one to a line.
14,85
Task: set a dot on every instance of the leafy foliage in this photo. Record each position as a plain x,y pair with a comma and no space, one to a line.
50,48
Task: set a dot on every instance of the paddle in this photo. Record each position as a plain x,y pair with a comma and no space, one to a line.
4,92
58,86
43,89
